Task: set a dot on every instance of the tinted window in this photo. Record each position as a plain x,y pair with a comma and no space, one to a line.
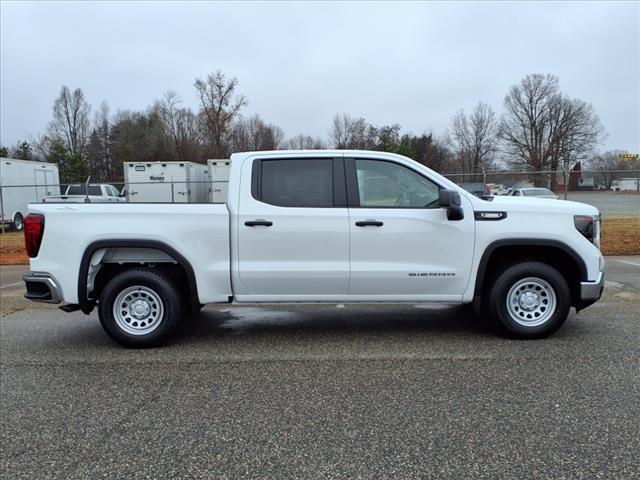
82,190
387,184
297,183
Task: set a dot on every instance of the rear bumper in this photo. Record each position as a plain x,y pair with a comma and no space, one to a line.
42,287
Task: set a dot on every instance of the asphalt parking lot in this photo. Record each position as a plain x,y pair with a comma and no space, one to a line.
323,392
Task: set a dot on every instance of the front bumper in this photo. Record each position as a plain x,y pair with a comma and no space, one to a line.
590,292
42,287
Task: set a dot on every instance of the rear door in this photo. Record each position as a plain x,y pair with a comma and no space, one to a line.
403,247
293,230
41,184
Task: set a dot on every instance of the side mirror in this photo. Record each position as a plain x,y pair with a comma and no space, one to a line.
450,199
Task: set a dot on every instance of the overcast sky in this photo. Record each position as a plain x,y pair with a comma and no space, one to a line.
298,64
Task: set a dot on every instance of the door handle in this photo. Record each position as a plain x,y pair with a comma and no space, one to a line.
369,223
258,223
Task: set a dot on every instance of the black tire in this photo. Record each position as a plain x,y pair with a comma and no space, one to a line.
18,222
155,293
518,320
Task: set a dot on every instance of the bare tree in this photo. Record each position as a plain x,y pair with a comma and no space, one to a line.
348,132
188,138
219,106
304,142
574,132
544,129
607,165
253,134
100,137
525,126
339,133
71,120
475,138
167,108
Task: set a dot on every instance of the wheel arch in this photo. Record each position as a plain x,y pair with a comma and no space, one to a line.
548,251
86,304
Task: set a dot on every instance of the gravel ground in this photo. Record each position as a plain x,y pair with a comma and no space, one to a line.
324,392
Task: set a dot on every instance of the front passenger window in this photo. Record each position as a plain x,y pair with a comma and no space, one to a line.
386,184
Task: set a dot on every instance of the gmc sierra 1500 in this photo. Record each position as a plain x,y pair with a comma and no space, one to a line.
318,226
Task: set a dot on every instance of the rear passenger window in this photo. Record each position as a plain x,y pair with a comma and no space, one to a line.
297,182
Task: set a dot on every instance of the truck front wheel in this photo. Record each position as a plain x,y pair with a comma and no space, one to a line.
529,300
140,308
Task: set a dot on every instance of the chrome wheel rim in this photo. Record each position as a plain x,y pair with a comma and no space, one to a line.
138,310
17,223
531,301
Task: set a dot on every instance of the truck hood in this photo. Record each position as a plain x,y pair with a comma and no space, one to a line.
535,205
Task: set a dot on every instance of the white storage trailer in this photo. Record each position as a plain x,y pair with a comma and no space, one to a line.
218,171
175,182
23,182
626,185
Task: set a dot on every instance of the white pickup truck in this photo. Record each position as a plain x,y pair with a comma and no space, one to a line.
318,226
92,193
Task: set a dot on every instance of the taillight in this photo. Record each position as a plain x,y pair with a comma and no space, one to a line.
33,231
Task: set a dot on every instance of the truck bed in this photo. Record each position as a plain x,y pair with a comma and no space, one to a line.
199,231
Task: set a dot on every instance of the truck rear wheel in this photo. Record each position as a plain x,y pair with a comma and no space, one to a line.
529,300
140,308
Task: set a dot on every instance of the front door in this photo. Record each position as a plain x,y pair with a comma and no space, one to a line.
402,244
293,230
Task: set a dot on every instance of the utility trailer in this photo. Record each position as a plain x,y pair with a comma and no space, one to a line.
218,173
23,182
165,182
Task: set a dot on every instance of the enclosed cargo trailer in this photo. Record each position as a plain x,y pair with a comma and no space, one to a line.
162,182
218,172
23,182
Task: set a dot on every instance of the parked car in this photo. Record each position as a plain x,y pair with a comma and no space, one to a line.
533,192
496,189
92,193
22,182
325,226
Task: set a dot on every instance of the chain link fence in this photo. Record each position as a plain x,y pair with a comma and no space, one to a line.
613,192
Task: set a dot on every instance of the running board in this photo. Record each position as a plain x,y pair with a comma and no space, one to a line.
70,307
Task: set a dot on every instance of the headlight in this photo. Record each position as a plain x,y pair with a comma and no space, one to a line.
589,226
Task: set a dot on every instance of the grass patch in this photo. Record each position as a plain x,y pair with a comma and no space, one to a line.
12,249
620,235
